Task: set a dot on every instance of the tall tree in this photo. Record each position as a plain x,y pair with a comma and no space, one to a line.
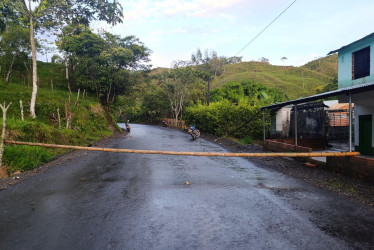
49,14
176,83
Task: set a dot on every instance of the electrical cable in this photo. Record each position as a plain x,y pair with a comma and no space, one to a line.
265,28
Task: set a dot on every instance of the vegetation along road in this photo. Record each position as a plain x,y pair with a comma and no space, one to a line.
104,200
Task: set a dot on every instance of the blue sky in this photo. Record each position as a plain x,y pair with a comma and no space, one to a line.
174,29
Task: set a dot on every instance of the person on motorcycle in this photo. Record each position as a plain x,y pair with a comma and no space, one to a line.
128,126
193,132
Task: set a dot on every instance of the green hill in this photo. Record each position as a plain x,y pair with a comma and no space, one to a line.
325,65
294,82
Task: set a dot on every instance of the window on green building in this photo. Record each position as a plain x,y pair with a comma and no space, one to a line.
361,63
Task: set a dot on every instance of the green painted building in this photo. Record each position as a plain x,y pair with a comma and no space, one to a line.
356,67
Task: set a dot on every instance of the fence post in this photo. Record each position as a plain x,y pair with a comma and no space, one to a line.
4,109
21,107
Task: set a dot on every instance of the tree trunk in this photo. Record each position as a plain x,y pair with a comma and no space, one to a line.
10,69
59,118
77,102
66,67
108,95
2,139
34,67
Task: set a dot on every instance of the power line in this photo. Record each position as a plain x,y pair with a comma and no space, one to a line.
265,28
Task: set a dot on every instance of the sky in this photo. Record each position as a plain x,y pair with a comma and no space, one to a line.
174,29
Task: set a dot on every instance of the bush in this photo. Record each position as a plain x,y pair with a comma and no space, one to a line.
227,119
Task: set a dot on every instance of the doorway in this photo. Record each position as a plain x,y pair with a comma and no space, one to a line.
365,137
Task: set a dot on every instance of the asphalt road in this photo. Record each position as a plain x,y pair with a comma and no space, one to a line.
132,201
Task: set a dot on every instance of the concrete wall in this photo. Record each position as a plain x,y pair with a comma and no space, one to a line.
345,64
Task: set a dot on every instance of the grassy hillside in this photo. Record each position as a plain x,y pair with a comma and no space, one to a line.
325,65
89,120
294,82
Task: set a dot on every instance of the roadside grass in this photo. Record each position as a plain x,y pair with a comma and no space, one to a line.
89,123
246,140
24,158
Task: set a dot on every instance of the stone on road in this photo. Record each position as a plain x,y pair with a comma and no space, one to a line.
132,201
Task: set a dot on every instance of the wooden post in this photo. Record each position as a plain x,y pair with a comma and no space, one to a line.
4,109
84,92
21,107
59,118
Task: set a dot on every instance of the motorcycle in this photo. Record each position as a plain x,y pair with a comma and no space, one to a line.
195,133
164,124
128,126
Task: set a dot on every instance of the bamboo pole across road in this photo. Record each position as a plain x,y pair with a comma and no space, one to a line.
134,151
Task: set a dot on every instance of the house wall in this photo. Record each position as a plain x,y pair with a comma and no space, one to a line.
345,64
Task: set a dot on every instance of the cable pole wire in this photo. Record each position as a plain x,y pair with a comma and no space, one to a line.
265,28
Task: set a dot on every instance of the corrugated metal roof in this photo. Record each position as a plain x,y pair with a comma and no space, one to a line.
353,90
337,50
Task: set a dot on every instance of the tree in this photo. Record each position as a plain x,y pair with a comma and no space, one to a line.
197,58
263,60
7,16
57,59
234,59
103,63
14,44
176,83
284,59
48,14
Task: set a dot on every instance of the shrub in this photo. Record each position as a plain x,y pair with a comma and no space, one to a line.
246,140
227,119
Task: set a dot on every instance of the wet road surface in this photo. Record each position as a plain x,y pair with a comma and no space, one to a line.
132,201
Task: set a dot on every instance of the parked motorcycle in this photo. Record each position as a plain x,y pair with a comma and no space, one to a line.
195,133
